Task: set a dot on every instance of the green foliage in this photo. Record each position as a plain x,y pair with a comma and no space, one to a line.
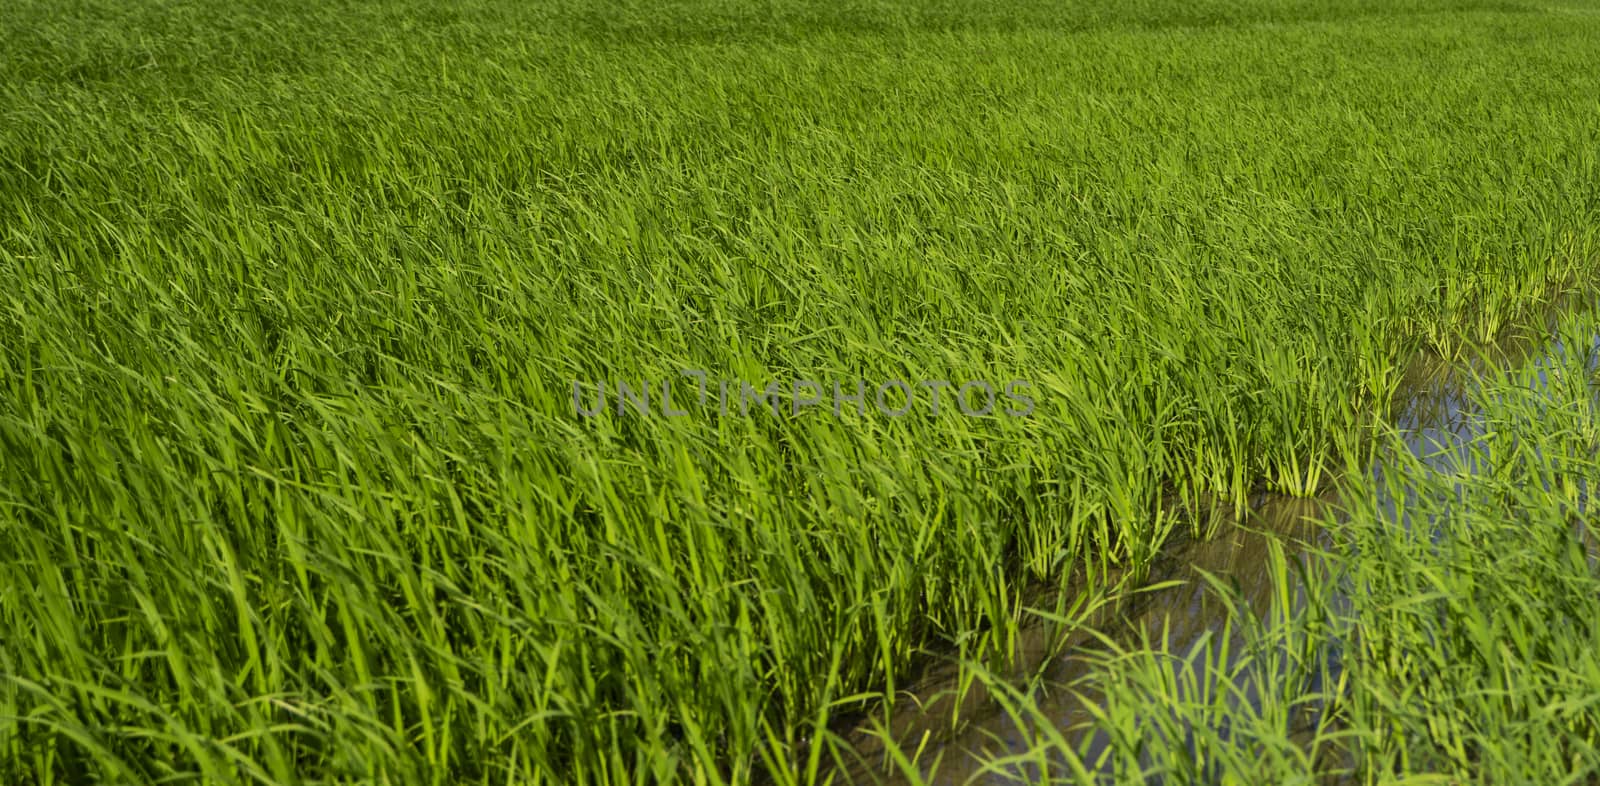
293,295
1446,635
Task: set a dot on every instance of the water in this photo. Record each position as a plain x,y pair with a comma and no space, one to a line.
1439,425
1181,614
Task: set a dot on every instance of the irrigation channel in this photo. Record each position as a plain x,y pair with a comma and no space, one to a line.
1172,601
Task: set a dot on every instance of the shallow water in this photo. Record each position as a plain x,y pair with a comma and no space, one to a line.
1182,614
1438,423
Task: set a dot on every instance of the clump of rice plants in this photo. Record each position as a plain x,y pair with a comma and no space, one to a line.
1446,634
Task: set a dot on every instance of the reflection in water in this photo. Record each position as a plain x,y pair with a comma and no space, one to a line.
1439,424
1181,612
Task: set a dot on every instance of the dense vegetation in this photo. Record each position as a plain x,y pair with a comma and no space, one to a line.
293,296
1446,635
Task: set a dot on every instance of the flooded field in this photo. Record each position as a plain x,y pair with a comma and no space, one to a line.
1194,595
611,392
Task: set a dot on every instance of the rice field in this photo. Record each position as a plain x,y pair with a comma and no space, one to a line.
621,393
1443,634
1423,583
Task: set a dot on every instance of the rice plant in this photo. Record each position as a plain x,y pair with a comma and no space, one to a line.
303,305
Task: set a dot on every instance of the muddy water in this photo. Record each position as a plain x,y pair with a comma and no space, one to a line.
1181,610
1438,423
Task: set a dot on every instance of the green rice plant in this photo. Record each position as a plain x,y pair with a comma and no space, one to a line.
1445,634
294,298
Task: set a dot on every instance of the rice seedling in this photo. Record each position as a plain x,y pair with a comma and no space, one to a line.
1445,636
302,306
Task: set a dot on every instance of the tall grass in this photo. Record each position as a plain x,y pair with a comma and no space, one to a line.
1446,635
293,296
